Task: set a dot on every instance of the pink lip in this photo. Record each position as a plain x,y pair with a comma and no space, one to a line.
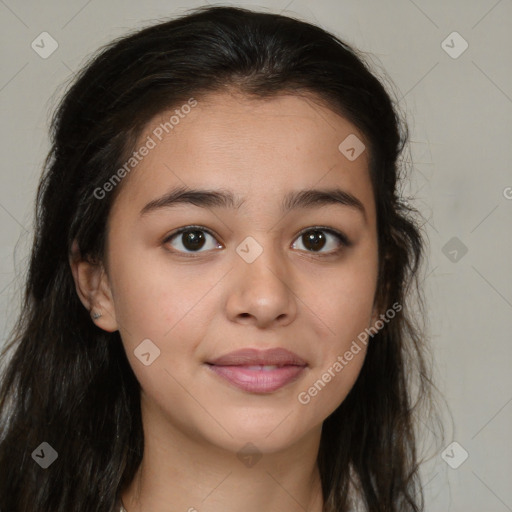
234,368
252,356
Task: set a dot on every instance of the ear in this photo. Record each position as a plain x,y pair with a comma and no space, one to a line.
93,289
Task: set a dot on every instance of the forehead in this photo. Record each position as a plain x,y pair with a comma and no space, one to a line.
259,147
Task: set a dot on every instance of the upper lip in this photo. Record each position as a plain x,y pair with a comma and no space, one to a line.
250,356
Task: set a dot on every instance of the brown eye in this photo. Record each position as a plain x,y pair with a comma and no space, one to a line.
314,240
191,239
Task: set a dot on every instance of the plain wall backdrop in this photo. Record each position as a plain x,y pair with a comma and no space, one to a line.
451,63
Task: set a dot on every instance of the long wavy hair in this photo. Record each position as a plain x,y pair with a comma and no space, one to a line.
68,383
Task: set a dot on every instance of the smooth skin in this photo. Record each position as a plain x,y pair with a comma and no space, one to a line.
198,305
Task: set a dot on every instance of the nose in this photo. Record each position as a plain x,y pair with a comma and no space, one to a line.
261,292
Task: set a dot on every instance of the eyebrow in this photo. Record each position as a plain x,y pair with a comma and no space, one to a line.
203,198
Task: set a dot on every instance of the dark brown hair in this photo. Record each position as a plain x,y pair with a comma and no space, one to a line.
69,383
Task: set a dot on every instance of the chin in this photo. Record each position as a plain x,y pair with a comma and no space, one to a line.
268,437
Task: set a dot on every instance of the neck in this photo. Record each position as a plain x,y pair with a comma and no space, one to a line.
179,472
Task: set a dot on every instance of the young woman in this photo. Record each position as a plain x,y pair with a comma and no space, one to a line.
215,315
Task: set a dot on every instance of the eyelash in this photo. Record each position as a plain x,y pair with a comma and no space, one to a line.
342,238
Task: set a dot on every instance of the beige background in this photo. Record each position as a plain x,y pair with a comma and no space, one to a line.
460,115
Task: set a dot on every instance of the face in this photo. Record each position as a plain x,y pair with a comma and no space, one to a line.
259,271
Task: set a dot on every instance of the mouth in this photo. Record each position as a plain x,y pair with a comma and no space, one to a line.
257,371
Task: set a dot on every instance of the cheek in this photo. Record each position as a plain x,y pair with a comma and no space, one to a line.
164,307
343,304
342,350
343,298
345,309
150,296
167,304
349,304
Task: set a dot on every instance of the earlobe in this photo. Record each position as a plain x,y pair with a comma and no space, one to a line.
93,289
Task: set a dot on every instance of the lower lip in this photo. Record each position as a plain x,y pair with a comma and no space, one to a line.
259,381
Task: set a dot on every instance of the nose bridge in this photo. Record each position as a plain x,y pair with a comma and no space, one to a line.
260,256
261,287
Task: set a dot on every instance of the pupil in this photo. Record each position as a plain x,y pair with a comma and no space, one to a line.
193,239
314,240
